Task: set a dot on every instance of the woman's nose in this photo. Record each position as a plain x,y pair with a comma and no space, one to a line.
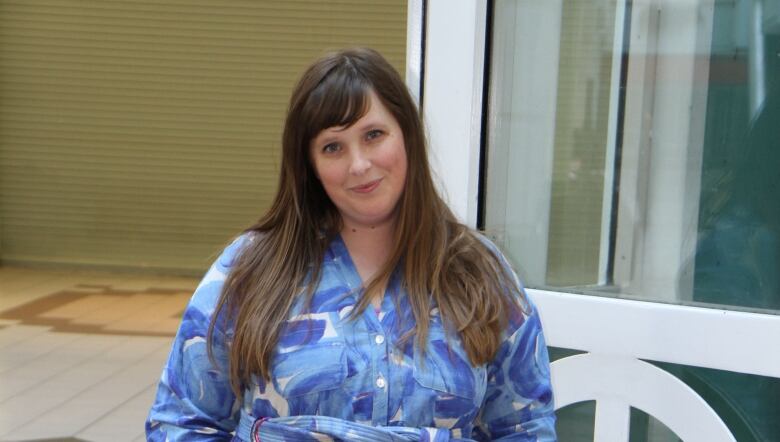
360,163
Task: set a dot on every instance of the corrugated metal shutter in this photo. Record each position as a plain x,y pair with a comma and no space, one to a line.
146,133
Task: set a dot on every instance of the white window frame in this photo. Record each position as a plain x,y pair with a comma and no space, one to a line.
452,99
617,334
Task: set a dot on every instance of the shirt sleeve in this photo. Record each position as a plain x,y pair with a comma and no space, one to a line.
194,400
518,404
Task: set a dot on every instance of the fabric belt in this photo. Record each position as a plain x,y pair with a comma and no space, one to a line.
324,428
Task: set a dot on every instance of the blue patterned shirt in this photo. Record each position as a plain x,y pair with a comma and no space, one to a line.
328,365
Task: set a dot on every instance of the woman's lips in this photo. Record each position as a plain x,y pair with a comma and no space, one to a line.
368,187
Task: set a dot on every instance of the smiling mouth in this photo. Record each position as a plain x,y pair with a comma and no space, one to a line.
368,187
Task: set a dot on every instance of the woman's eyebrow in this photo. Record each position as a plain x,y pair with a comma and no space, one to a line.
329,134
324,139
371,124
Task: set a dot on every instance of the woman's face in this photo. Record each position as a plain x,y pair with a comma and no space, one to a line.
362,167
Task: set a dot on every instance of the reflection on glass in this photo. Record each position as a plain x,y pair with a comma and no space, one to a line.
633,148
634,151
738,248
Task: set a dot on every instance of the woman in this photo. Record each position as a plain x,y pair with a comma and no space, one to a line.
357,307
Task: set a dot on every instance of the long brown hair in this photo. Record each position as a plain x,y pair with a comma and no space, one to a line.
442,261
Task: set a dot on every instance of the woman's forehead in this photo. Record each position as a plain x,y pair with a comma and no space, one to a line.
337,108
374,113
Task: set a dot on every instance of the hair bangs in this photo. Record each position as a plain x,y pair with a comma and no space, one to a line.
339,100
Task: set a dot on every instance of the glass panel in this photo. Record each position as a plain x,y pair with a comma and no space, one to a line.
645,428
633,150
575,422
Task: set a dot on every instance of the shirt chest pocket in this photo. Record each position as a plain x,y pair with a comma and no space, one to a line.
308,360
445,368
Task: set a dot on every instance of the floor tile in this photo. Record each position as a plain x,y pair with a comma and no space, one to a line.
16,334
81,352
127,419
50,369
25,352
48,398
102,399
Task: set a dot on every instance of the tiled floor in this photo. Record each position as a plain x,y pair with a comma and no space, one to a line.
81,352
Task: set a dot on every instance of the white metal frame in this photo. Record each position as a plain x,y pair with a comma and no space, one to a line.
703,337
609,157
605,379
617,334
414,46
453,109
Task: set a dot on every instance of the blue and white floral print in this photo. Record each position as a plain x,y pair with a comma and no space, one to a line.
353,370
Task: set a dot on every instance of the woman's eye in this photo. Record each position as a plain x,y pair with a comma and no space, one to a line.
331,148
372,134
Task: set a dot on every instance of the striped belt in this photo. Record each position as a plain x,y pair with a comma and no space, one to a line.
324,428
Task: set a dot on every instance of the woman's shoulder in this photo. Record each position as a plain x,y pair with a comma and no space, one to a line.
517,286
230,254
210,286
481,239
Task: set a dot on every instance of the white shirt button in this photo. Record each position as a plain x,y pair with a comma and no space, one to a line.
380,382
379,339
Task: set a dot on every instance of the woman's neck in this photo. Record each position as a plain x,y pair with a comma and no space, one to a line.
369,247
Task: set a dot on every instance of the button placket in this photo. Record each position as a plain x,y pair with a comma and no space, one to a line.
381,380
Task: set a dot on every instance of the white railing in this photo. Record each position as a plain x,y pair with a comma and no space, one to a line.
618,334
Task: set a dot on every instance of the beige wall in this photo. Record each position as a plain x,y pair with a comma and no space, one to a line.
145,134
